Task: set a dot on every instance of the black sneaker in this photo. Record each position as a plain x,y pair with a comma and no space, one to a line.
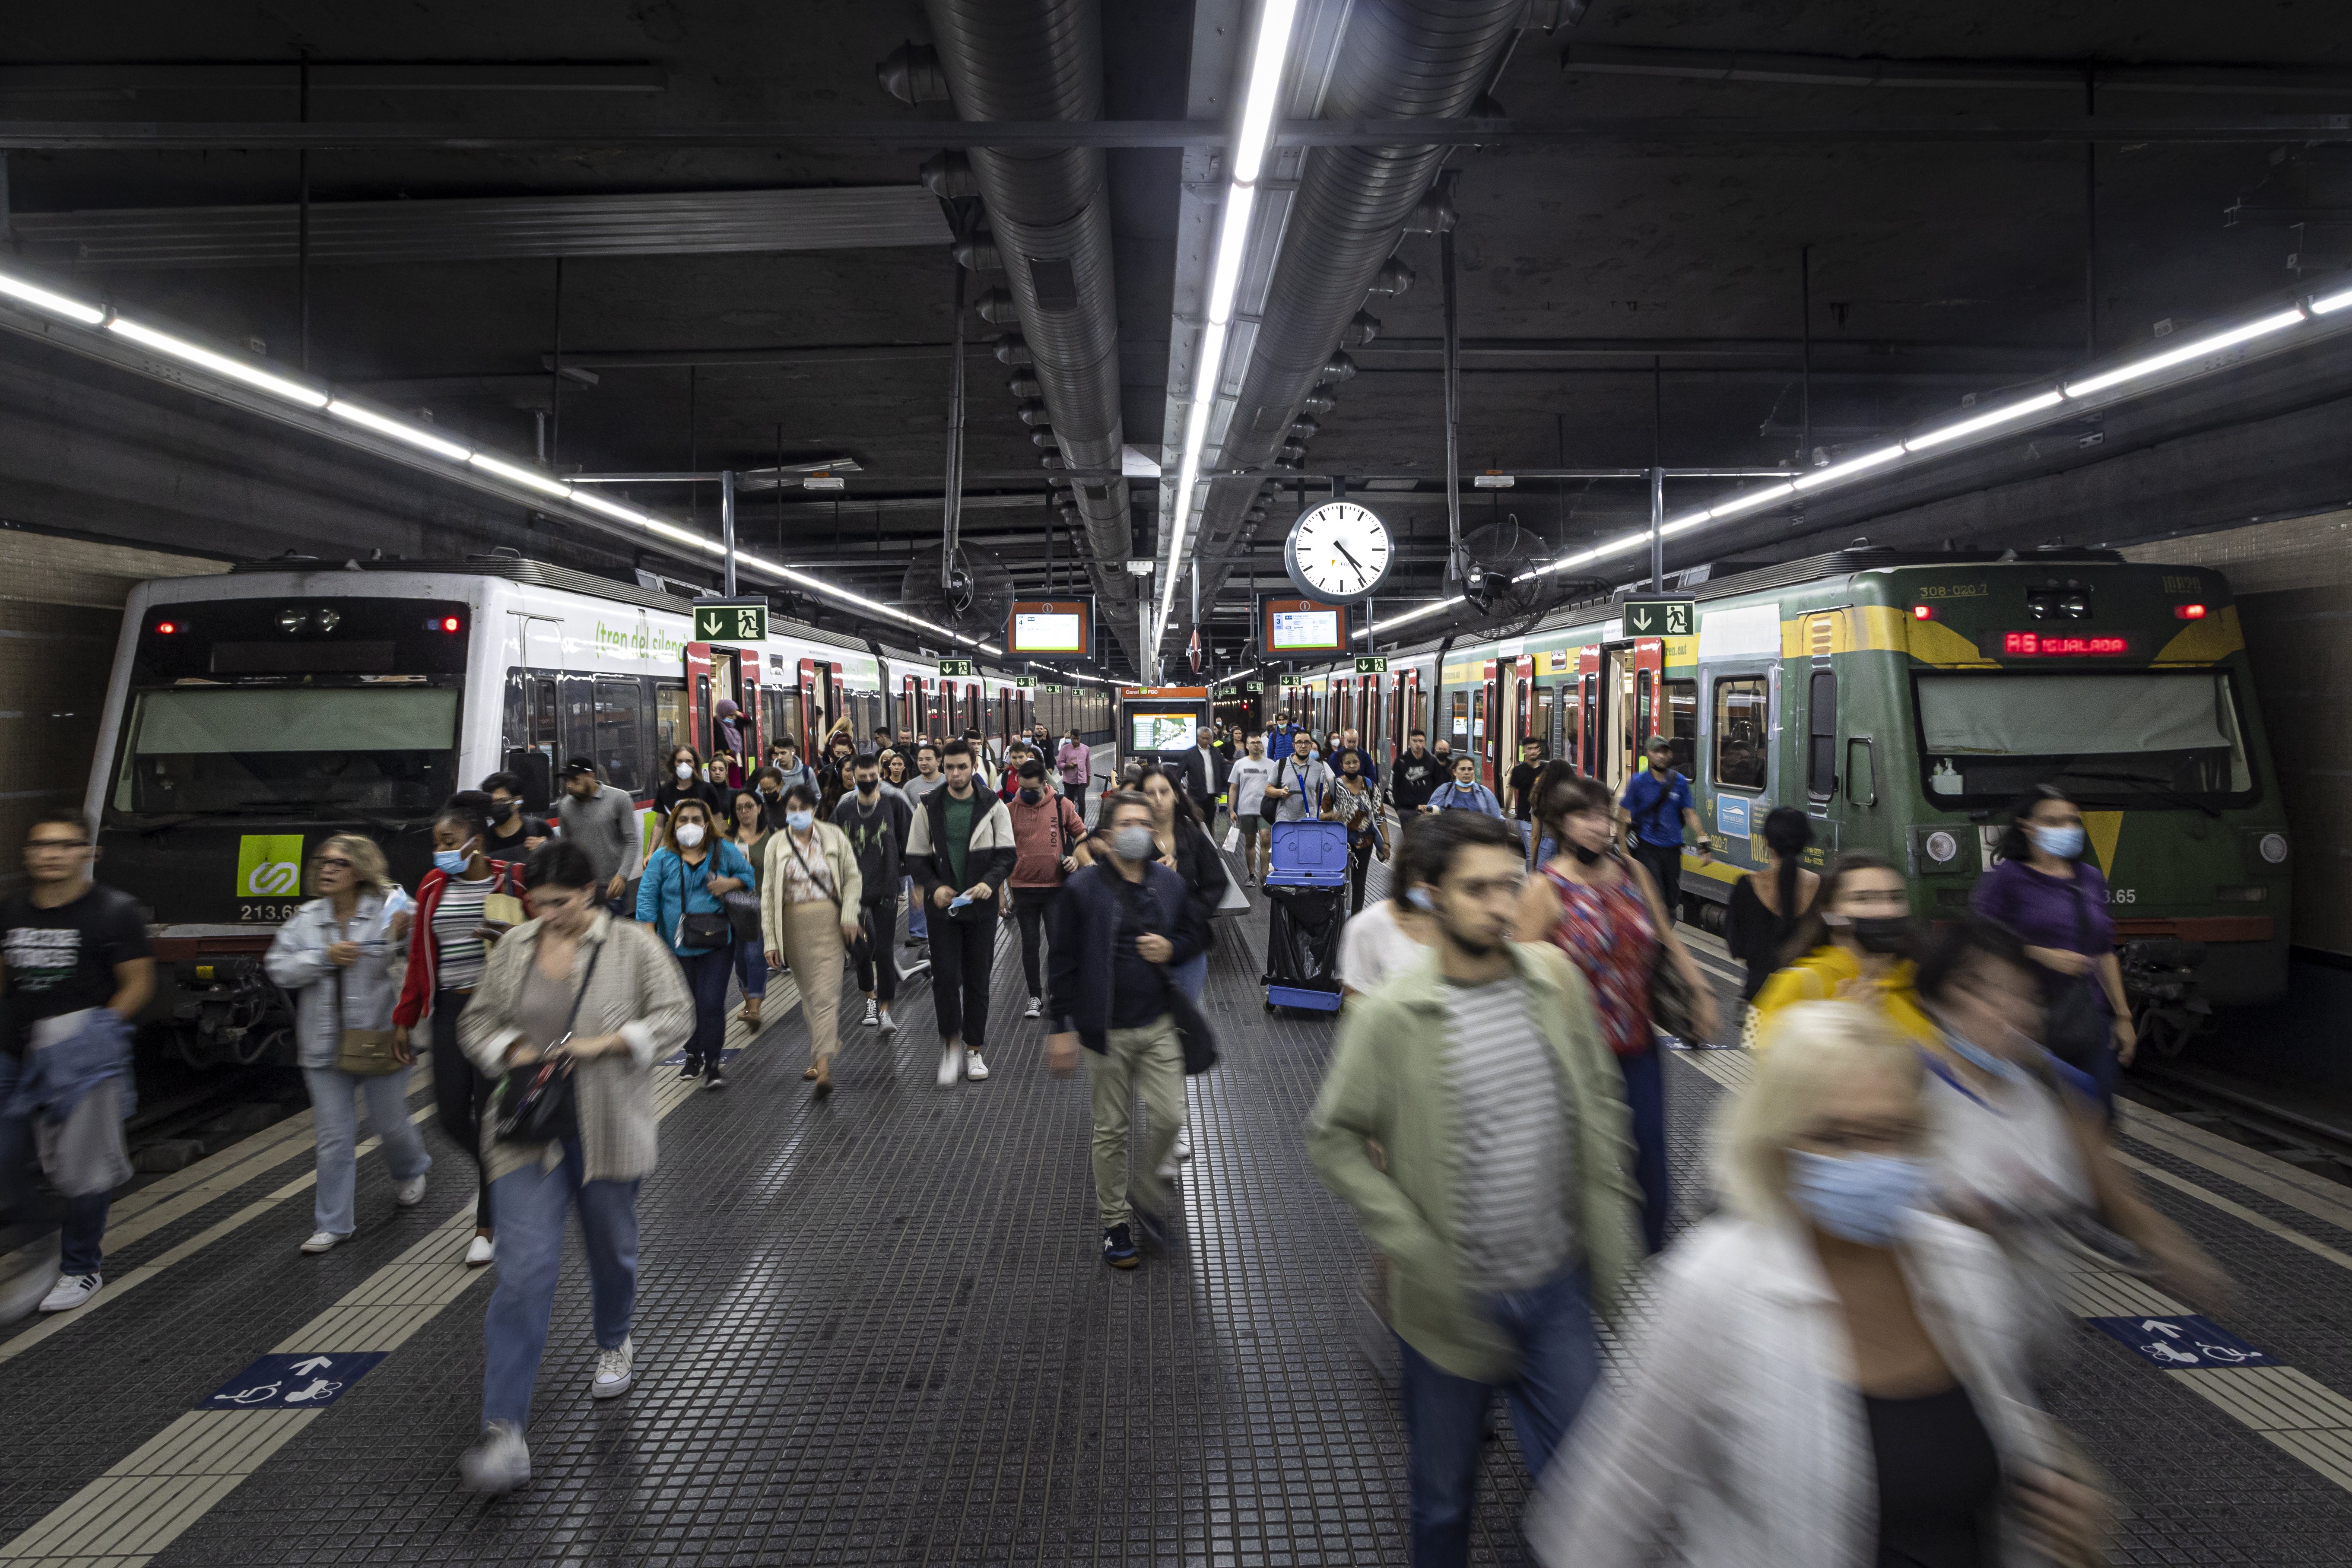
693,1068
1155,1228
1118,1248
712,1077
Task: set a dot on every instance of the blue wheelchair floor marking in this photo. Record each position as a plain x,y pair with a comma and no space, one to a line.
2184,1344
305,1381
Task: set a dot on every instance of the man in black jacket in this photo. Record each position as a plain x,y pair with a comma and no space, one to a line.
878,825
1419,771
1201,772
960,850
1122,926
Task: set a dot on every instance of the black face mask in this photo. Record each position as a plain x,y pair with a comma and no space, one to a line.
1584,857
501,810
1882,935
868,787
771,795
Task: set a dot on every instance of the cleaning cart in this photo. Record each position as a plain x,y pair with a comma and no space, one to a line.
1307,892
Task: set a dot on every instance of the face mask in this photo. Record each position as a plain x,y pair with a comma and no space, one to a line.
690,834
1132,843
503,809
1031,796
868,787
798,821
771,795
450,861
1860,1197
1584,857
2064,842
1419,898
1882,935
685,769
1981,1058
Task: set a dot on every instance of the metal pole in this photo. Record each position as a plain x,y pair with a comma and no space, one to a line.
952,515
302,220
1805,382
555,377
1658,523
1453,564
727,522
2090,221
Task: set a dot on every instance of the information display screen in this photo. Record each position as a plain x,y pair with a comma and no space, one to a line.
2063,644
1161,731
1049,631
1298,631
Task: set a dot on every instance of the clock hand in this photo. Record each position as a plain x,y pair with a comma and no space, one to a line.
1351,555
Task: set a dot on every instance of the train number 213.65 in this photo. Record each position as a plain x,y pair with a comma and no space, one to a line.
2123,895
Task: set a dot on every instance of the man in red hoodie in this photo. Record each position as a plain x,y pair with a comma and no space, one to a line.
1045,830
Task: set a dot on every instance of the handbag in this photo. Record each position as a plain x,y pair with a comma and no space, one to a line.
540,1103
743,914
704,929
1193,1033
362,1053
2078,1031
1673,1010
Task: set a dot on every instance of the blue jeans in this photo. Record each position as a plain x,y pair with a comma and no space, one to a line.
752,969
531,1203
84,1227
1191,976
705,977
918,925
338,1127
1646,1104
1444,1416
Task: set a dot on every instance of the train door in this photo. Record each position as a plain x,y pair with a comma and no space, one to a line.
1649,698
699,698
747,699
533,749
1818,725
1525,725
1588,704
1614,765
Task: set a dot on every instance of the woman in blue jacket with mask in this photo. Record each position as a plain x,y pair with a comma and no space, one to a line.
683,896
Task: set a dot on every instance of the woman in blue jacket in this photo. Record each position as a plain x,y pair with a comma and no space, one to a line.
690,876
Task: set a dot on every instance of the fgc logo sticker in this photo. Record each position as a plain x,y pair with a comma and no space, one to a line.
269,866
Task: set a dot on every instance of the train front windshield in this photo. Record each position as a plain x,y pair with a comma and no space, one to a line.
384,751
2125,739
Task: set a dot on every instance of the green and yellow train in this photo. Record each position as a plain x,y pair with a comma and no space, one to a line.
1902,700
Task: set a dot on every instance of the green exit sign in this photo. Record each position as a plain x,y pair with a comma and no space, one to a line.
1255,687
1372,664
956,667
1658,617
1024,681
730,623
1051,691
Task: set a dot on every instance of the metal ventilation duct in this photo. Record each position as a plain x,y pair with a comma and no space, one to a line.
1398,58
1049,214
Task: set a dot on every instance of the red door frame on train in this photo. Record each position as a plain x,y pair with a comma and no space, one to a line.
1588,708
747,702
697,697
1650,672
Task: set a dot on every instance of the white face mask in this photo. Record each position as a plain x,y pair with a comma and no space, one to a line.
690,834
685,769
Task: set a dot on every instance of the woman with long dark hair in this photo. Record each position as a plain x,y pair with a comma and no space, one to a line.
749,824
1185,848
1765,911
1854,945
2045,891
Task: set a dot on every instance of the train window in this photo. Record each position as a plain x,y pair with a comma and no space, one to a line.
1861,773
1681,724
1821,734
2128,737
620,705
670,717
227,751
579,715
1742,707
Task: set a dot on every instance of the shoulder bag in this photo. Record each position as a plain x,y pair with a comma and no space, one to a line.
540,1103
1673,1009
1193,1033
705,930
744,908
2078,1031
362,1053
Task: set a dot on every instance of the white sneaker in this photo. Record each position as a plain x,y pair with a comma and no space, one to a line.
872,1013
322,1241
482,1249
974,1067
71,1291
889,1024
913,967
407,1194
1036,1006
613,1371
950,1064
499,1462
1183,1149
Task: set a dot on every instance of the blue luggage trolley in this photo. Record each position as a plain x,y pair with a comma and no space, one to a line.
1307,892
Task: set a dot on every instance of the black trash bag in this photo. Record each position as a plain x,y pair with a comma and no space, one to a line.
1302,937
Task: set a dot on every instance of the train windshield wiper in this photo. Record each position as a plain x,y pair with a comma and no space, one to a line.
2162,791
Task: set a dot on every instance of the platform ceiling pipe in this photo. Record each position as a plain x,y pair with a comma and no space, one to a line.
1398,58
1050,211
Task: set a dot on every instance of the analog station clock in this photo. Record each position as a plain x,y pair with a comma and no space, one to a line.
1337,553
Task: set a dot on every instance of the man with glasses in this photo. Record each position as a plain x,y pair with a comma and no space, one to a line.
79,970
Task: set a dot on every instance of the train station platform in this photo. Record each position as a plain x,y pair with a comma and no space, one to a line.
876,1328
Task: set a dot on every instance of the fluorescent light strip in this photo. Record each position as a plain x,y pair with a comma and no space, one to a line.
1267,53
219,364
2333,303
1926,440
529,477
399,430
1748,501
54,304
2213,344
1233,248
1428,609
1850,468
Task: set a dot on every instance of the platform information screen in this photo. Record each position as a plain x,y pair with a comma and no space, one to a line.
1054,631
1299,631
1161,731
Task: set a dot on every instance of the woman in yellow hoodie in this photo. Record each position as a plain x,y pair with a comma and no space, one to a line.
1854,945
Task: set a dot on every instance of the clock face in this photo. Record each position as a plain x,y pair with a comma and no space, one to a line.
1337,553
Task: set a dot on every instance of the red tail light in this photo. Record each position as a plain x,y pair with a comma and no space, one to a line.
167,629
1922,612
2188,612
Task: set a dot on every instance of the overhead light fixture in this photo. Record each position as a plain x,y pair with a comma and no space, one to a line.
1848,468
1926,440
399,430
2212,344
1493,481
1269,52
1233,248
525,477
2333,303
1748,501
219,364
41,299
825,482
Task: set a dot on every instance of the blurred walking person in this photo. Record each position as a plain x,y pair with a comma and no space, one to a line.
750,825
1854,944
1047,829
683,896
1767,908
335,955
1352,800
1499,1200
1186,849
1833,1376
596,1001
808,916
603,820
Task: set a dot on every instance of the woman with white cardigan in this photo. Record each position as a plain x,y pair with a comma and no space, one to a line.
1832,1377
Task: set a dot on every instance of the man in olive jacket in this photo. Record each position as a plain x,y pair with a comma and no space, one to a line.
1501,1200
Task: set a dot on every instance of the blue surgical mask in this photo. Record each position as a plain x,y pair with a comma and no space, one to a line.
2064,842
800,820
1860,1197
450,862
1419,898
1132,843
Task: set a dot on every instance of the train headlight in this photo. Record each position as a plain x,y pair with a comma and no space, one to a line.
2272,847
330,619
292,620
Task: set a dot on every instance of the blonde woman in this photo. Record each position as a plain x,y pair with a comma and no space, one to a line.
336,956
809,903
1832,1377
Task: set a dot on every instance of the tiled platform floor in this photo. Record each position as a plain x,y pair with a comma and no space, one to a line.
877,1331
